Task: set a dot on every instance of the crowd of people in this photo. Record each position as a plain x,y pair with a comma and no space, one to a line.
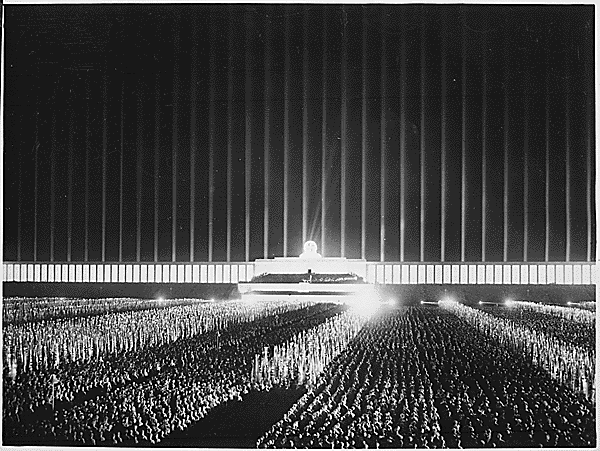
563,349
587,305
423,377
16,310
141,396
300,360
48,344
578,315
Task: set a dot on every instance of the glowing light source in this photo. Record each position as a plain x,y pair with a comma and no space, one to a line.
310,251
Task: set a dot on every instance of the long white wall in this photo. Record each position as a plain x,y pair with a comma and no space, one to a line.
382,273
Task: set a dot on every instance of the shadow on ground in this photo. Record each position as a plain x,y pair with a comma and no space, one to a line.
236,424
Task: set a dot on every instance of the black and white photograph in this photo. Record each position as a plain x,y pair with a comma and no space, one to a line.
298,225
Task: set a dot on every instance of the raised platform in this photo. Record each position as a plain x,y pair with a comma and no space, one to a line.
296,265
338,288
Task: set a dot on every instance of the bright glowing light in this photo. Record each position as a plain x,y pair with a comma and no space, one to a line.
310,251
363,306
212,300
509,303
447,300
366,309
480,302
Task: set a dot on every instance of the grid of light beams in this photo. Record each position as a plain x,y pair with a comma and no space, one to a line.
337,59
381,273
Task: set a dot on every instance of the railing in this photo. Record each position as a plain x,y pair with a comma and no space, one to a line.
468,273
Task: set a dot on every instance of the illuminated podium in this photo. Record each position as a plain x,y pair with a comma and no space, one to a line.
307,275
297,265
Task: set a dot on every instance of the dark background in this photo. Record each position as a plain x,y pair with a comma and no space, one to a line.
117,119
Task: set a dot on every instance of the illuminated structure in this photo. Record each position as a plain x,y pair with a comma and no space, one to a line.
306,275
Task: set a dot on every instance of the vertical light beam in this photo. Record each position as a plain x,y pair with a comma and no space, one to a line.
53,182
343,128
588,147
104,147
526,168
547,187
304,126
267,76
567,162
463,170
484,151
87,174
175,144
402,139
363,205
324,135
193,137
383,140
286,132
35,180
229,133
443,147
19,209
211,139
422,150
139,152
121,174
506,125
248,136
71,145
156,160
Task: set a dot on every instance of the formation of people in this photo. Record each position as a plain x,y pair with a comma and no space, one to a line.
46,344
18,310
141,396
300,360
578,315
561,347
424,377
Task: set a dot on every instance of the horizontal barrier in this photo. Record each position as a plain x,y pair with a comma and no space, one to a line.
377,273
482,273
128,272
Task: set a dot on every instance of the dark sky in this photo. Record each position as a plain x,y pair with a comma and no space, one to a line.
142,132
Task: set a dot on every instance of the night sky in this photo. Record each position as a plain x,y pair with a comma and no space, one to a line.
235,132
